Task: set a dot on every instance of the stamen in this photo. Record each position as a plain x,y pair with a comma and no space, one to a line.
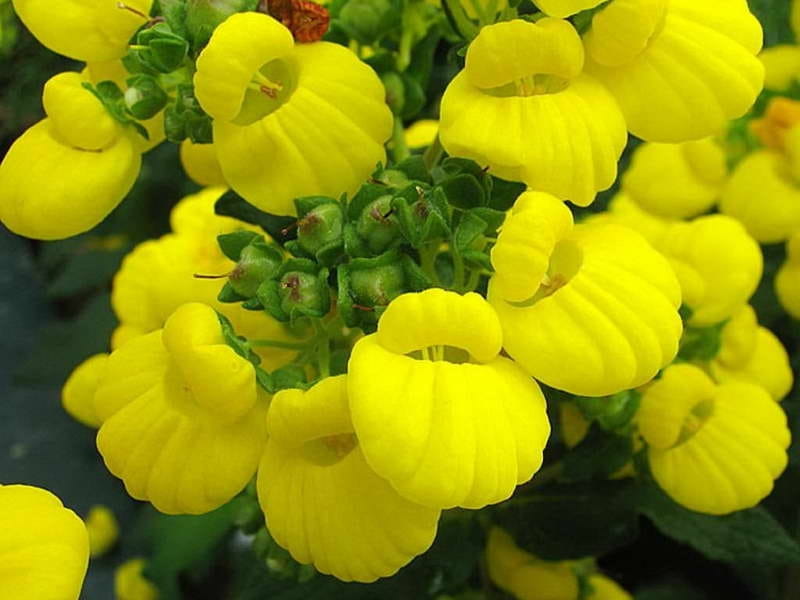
135,11
264,85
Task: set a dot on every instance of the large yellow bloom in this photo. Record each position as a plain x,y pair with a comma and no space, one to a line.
713,449
680,69
159,276
183,419
289,120
66,173
718,264
676,180
752,353
323,502
524,108
44,547
84,29
437,411
763,194
597,297
787,281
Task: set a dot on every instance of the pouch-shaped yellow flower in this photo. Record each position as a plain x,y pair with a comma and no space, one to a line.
787,281
679,69
524,108
565,8
85,30
597,297
77,396
158,276
321,499
718,264
289,121
781,66
422,133
131,584
183,420
676,181
200,163
713,448
44,547
103,530
764,196
437,411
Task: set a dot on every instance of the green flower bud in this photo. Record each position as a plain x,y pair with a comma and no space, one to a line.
320,228
377,226
378,286
144,97
256,264
303,293
165,51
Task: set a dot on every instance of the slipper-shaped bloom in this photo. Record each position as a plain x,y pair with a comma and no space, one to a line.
781,66
66,173
77,396
44,547
183,420
764,196
437,411
713,448
523,107
565,8
591,310
787,281
323,502
85,30
718,264
752,353
158,276
289,120
676,181
680,69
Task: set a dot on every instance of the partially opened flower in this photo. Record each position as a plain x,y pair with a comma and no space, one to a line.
289,120
44,547
752,353
679,69
713,448
85,30
565,8
130,582
787,281
183,420
676,181
471,424
718,264
523,107
66,173
317,490
596,297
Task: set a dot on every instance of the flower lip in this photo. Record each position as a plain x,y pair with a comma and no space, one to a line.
434,318
529,58
625,29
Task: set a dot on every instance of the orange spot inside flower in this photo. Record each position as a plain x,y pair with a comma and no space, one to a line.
781,115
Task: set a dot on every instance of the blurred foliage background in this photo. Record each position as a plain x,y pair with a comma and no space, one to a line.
55,312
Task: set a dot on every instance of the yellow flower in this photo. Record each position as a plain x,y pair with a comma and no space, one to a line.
753,354
131,584
524,108
66,173
565,8
718,264
77,397
713,448
574,425
321,499
679,69
422,133
787,281
597,297
158,277
289,120
606,589
781,67
471,424
103,529
44,548
764,196
201,164
84,29
623,210
182,415
676,180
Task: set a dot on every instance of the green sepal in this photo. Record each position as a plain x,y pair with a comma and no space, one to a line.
239,344
258,262
299,289
252,304
113,101
319,229
184,118
414,169
144,97
464,191
174,13
423,217
165,52
228,295
233,243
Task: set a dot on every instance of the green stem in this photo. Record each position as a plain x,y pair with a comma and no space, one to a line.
434,153
280,344
400,150
458,271
427,256
323,350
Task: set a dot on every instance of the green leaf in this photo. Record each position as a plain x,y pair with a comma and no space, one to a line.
598,456
751,535
469,229
464,191
504,193
279,228
232,244
174,13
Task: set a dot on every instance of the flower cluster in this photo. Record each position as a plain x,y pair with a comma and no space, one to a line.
389,328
